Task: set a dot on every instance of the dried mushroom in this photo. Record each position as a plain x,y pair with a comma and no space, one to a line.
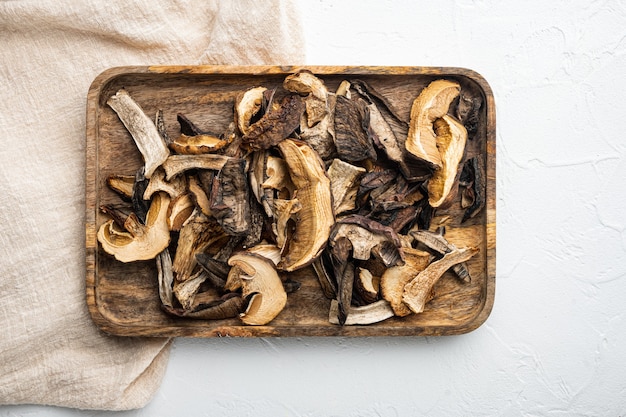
138,241
416,291
432,104
142,129
451,138
302,176
315,219
260,284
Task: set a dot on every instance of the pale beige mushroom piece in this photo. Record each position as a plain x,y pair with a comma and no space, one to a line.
259,282
416,291
138,241
142,129
432,103
368,314
395,278
315,219
451,139
247,105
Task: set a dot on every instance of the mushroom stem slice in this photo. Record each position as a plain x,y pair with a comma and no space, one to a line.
416,292
165,278
176,164
432,103
440,245
143,130
344,184
368,314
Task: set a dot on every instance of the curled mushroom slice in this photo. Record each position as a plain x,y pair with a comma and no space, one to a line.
142,129
368,314
122,184
247,104
431,104
366,285
315,220
260,284
451,139
138,241
230,198
475,169
352,137
179,211
199,144
416,291
395,278
304,82
277,177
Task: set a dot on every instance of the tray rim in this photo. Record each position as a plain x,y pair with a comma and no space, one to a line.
91,167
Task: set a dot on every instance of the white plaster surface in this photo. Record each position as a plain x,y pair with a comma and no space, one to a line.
555,343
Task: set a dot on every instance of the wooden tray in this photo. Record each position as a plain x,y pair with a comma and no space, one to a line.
123,298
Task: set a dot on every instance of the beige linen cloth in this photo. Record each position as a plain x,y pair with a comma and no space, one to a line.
50,51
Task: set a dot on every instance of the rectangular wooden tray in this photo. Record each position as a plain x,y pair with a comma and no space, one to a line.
123,298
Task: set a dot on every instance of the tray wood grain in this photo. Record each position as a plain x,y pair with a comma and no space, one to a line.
123,298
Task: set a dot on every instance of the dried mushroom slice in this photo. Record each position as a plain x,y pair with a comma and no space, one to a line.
174,187
177,164
395,278
344,184
275,125
247,104
145,134
316,125
432,103
199,144
138,241
122,184
416,291
451,139
440,245
260,284
368,314
366,285
368,236
352,137
230,198
315,219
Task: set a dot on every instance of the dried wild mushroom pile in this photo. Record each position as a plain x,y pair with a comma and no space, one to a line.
303,176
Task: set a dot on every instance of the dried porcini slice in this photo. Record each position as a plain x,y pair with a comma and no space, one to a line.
138,241
142,129
395,278
431,104
260,284
315,220
416,291
451,139
275,125
351,130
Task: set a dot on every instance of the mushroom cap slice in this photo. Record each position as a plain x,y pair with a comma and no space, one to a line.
261,284
451,139
432,103
395,278
247,105
198,144
315,220
138,242
368,314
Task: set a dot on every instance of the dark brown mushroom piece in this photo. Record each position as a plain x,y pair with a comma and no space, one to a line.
352,137
275,125
229,198
473,194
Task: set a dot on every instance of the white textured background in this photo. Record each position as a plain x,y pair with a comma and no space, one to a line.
555,343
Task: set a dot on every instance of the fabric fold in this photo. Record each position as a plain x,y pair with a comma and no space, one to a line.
50,350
